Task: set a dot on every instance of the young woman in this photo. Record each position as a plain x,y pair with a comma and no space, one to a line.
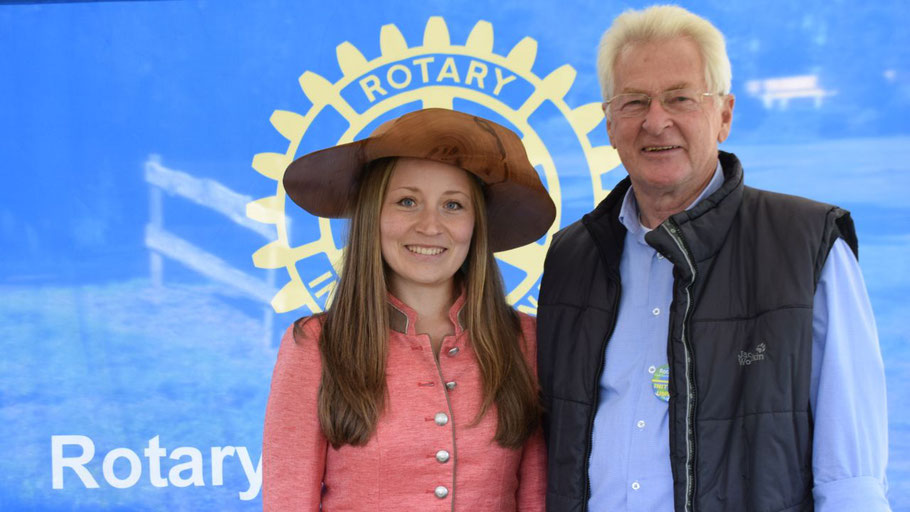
416,389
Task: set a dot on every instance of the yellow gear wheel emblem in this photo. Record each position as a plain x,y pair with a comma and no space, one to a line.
469,77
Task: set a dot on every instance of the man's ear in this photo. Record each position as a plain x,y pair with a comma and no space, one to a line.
609,129
726,117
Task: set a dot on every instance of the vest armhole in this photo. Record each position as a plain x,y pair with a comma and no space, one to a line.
838,224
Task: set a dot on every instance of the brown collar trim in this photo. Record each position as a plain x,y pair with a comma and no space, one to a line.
400,316
398,319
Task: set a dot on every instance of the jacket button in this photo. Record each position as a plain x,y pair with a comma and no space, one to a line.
453,351
441,492
441,418
442,456
450,385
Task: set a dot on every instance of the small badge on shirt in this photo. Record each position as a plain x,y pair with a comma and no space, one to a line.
660,381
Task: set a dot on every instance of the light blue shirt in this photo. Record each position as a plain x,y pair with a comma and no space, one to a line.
630,457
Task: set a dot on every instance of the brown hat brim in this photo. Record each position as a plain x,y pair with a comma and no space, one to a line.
519,208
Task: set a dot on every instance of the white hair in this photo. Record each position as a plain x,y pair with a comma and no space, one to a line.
662,22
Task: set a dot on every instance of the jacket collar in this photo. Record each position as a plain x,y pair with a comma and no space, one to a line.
630,217
403,318
608,233
704,226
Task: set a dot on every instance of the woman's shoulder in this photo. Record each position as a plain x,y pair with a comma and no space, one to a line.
528,322
310,325
304,332
298,360
528,333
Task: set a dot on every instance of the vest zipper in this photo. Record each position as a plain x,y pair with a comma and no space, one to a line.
603,354
675,233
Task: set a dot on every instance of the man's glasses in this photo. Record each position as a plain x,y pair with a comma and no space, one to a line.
675,101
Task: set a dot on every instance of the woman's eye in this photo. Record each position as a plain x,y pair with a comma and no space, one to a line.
453,205
407,202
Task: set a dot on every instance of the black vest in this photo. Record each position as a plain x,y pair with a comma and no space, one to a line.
746,263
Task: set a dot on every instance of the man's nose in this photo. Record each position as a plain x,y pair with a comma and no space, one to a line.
656,118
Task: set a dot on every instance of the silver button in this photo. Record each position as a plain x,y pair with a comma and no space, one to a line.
450,385
655,311
453,351
651,369
441,492
442,456
635,486
441,418
640,424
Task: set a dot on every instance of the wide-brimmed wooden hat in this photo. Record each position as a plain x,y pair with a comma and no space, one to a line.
519,208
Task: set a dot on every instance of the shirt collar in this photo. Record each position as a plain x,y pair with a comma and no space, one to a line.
403,318
629,214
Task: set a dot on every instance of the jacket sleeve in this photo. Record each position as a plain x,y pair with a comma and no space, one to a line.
532,473
293,446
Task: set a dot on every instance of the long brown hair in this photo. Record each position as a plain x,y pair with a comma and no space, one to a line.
354,340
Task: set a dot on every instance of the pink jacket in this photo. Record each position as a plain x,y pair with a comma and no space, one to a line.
423,455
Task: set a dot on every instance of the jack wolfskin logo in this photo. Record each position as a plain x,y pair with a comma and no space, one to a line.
747,358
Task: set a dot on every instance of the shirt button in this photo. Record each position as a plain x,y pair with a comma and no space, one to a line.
450,385
651,369
655,311
453,351
640,424
635,486
441,492
441,418
442,456
660,256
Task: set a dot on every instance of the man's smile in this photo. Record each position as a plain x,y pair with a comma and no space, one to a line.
652,149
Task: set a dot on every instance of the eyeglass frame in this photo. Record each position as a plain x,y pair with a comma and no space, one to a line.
605,106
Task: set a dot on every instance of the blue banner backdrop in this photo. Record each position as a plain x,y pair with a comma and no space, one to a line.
150,260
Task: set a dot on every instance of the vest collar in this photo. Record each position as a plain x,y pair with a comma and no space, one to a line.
705,226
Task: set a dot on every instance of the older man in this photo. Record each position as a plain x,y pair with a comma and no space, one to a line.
703,345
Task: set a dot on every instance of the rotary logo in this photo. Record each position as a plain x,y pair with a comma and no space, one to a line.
471,78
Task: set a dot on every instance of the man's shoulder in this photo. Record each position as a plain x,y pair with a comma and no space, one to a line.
569,240
603,220
789,212
573,261
795,217
570,232
783,203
